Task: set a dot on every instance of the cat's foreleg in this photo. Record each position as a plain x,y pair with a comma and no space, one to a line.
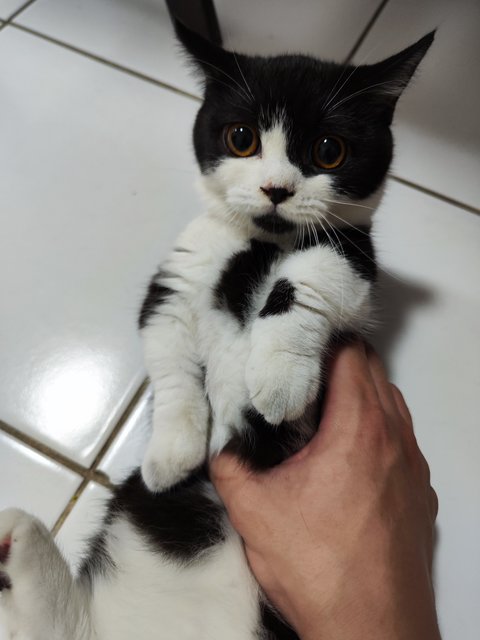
315,292
39,600
180,412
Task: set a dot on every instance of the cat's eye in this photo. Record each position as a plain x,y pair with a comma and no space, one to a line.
329,152
241,140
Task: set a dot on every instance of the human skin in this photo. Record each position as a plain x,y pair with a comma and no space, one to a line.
340,536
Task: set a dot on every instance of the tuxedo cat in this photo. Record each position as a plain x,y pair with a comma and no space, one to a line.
293,152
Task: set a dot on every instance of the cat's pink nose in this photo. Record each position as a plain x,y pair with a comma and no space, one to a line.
277,194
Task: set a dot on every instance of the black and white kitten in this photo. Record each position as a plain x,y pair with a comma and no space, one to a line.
236,326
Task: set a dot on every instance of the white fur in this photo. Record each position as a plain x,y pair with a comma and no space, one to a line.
147,597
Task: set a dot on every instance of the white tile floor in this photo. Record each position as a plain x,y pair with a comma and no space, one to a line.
96,176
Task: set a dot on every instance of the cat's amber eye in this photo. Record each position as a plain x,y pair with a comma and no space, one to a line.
329,152
241,140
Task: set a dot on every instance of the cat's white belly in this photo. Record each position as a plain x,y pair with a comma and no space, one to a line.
150,597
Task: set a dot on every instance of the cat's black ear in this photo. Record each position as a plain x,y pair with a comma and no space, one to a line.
387,79
213,60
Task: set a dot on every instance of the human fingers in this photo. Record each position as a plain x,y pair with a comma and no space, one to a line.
229,475
382,383
350,385
401,405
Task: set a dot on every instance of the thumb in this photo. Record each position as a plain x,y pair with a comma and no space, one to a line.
229,475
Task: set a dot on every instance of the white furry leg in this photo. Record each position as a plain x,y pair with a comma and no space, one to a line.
181,411
315,293
38,598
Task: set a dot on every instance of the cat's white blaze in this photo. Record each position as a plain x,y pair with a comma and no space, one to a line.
276,169
238,182
213,599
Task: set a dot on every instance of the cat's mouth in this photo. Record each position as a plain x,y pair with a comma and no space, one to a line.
274,223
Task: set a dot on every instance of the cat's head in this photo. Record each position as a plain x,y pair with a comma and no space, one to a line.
280,140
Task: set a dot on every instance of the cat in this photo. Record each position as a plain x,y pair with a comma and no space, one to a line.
236,327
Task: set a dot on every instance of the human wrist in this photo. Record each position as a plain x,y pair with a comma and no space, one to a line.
374,606
383,618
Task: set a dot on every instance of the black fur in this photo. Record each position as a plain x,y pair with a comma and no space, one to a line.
182,522
5,582
156,295
275,627
262,445
241,277
280,300
355,244
273,223
97,560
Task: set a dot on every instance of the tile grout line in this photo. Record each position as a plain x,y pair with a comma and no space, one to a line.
87,473
177,90
109,63
435,194
44,449
69,508
94,474
139,393
366,31
19,11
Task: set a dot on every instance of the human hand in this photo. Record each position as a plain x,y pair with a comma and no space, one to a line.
340,536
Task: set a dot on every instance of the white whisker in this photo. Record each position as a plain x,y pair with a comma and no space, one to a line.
244,79
356,93
244,94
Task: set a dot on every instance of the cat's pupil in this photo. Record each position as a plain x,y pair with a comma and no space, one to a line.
329,150
242,138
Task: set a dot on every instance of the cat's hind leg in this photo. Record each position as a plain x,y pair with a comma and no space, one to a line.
39,599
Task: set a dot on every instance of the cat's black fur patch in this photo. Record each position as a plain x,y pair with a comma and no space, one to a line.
280,299
355,244
5,582
157,294
97,560
242,275
182,521
263,445
273,223
274,626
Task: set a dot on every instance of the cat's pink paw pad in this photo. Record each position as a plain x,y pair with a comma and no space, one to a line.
5,545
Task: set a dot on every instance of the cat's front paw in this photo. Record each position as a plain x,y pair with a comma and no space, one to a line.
281,384
177,447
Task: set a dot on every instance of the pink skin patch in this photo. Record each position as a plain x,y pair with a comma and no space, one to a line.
5,549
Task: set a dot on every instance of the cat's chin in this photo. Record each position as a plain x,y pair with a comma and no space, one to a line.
273,222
